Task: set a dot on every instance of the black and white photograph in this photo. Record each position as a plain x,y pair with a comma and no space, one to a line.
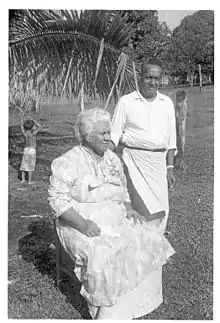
110,163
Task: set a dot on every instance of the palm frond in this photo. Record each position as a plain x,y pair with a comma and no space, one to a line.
58,50
122,75
67,74
99,59
121,66
135,75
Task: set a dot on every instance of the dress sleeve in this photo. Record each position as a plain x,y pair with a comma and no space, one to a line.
62,181
172,128
118,122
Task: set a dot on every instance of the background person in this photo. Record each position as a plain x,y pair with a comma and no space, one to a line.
29,129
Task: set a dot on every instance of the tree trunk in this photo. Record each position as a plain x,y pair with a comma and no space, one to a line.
82,98
191,77
200,78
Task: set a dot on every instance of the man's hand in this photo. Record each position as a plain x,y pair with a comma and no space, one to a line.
171,178
133,214
91,229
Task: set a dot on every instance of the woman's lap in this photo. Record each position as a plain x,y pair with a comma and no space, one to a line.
101,277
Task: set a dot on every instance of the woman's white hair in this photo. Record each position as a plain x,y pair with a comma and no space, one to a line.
87,120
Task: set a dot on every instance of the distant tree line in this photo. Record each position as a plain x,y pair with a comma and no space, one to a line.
181,50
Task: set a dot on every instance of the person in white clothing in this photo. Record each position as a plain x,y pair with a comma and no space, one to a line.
118,257
144,123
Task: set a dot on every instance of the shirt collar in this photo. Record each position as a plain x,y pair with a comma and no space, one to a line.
138,96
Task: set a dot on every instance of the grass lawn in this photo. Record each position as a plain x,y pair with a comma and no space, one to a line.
187,283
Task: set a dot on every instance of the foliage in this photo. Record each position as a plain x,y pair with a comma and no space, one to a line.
54,52
189,46
149,37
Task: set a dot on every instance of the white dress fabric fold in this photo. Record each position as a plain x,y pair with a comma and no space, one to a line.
120,270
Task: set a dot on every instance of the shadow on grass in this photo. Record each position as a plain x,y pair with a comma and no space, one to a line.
15,161
35,248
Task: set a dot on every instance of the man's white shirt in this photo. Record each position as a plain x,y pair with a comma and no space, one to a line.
143,124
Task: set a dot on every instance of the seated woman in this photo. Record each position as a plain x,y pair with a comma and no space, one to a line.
118,256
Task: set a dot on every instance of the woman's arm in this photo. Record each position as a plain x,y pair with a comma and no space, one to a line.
86,227
61,201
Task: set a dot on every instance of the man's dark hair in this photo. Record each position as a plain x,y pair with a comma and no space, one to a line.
28,124
152,61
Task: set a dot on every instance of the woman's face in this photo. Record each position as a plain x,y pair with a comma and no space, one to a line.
98,140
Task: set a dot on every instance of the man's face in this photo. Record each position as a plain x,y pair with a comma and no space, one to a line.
150,80
99,139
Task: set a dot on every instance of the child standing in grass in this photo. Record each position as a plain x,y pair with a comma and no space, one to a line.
29,129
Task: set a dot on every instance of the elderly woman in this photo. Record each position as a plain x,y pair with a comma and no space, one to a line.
118,257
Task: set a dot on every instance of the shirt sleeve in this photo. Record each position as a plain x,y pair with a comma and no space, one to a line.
172,128
118,122
62,180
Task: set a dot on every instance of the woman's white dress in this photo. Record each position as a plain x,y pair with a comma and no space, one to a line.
120,270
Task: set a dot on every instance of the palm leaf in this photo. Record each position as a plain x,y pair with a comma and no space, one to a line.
99,59
122,76
62,45
121,66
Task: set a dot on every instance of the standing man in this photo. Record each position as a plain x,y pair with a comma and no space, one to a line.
144,122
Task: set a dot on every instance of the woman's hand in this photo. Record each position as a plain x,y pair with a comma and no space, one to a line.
91,229
73,219
133,214
137,217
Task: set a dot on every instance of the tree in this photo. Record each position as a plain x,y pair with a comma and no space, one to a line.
208,61
149,36
189,42
55,53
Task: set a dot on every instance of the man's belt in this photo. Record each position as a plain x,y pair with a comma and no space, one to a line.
159,150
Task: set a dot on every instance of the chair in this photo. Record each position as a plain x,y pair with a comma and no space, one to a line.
63,261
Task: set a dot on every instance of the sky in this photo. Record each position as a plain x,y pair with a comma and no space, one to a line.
174,17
